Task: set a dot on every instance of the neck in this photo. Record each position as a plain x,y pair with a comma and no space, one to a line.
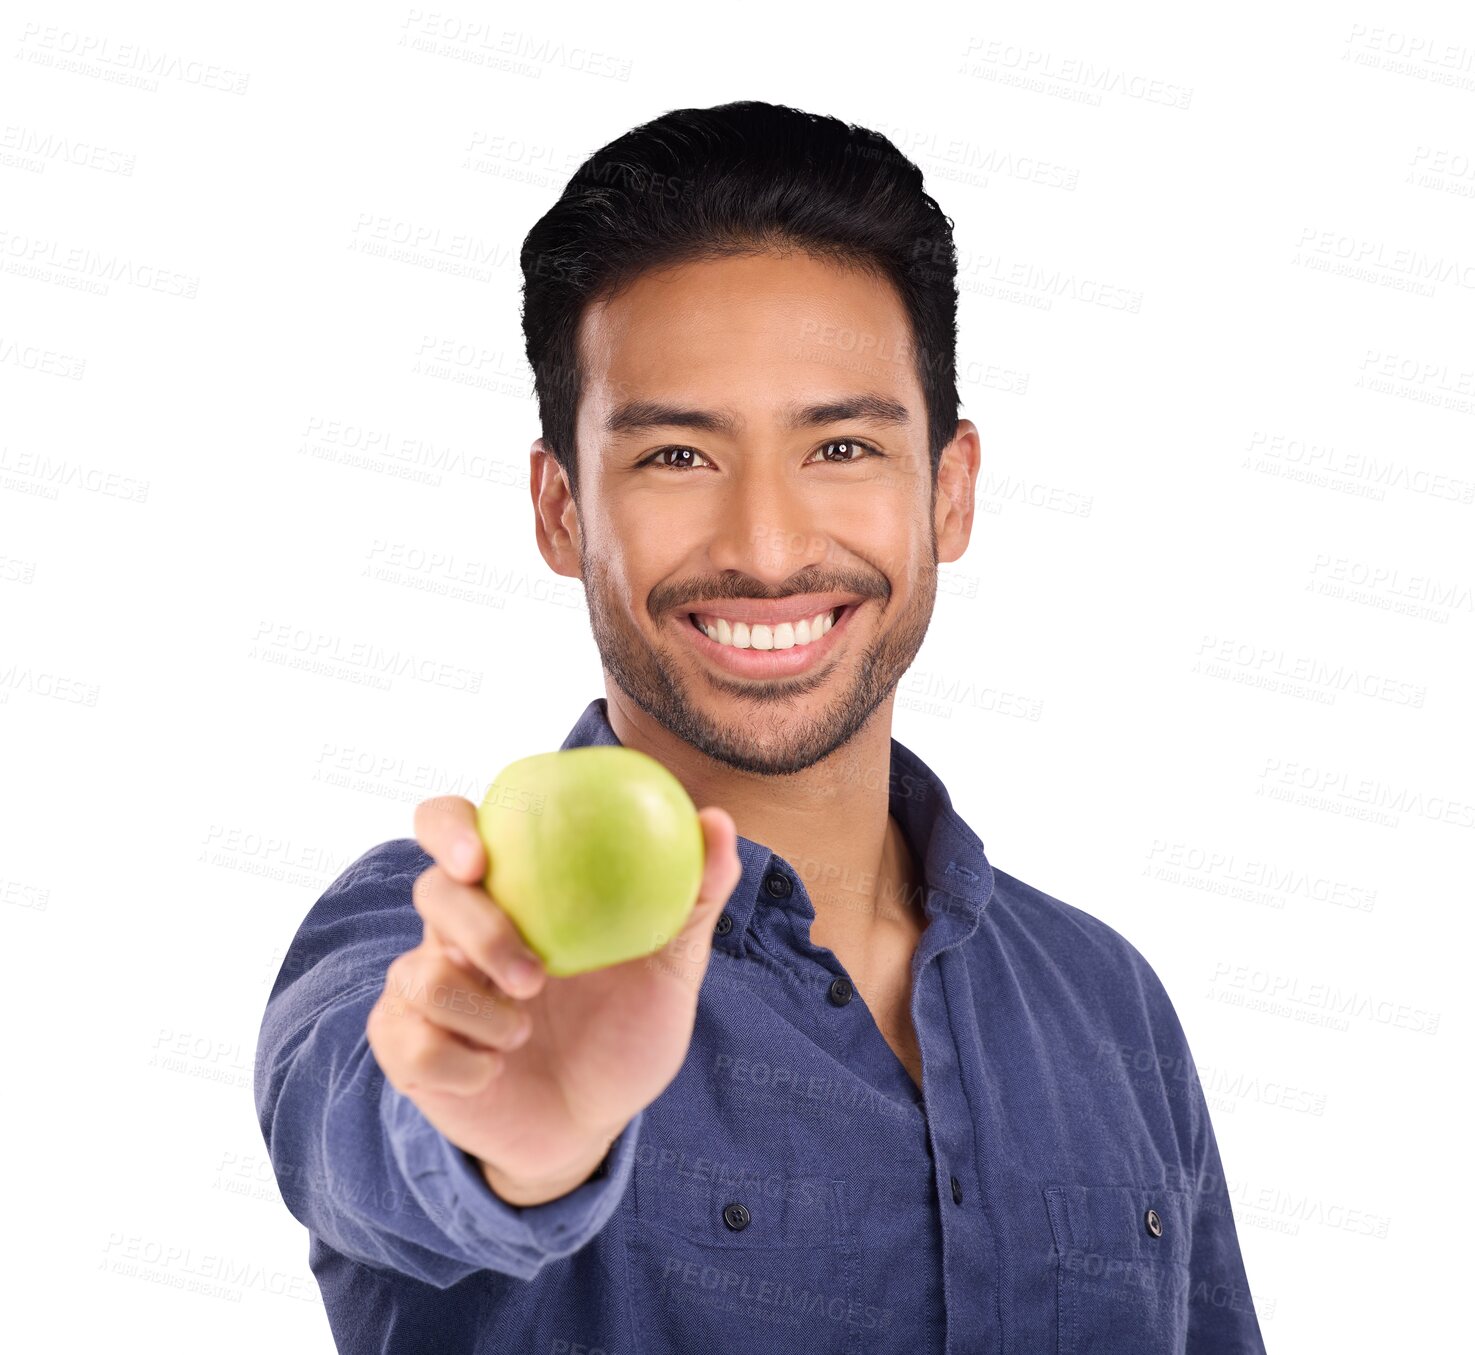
831,822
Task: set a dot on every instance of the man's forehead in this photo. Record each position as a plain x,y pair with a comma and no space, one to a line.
708,308
807,366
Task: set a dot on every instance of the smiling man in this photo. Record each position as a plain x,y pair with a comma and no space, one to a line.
879,1095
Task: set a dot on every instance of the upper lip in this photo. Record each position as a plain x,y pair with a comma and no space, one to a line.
771,613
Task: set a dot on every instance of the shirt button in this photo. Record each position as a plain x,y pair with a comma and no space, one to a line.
840,991
957,1190
1154,1223
736,1217
724,924
778,884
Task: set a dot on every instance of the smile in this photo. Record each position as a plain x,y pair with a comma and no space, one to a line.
767,651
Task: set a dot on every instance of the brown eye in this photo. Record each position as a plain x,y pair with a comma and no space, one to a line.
652,458
856,449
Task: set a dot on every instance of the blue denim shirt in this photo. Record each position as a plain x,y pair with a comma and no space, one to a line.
1053,1188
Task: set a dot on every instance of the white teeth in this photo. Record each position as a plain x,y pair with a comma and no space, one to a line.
784,635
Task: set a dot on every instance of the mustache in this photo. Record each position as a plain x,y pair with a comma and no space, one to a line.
669,596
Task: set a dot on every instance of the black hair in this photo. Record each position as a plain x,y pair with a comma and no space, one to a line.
738,178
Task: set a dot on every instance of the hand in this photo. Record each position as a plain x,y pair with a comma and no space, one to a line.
533,1075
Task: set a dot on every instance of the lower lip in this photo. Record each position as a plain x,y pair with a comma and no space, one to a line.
764,663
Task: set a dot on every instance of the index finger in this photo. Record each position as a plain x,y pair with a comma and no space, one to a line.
445,826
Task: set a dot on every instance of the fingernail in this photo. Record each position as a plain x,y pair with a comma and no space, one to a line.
456,955
522,971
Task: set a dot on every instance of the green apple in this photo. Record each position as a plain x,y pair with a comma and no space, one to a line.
596,854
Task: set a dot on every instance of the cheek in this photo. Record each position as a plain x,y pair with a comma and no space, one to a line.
894,540
644,553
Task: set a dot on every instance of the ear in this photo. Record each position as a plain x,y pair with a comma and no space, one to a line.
953,501
555,516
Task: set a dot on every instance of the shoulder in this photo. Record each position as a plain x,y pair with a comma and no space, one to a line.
1069,952
389,863
1055,923
368,891
363,918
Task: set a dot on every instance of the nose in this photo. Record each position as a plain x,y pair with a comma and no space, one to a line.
767,527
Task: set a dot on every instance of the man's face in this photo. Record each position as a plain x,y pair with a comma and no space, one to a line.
672,515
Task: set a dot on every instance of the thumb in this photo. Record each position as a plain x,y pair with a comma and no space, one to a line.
688,952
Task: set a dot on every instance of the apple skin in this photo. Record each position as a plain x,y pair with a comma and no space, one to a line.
596,854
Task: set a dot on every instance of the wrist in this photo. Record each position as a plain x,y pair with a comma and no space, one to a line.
522,1192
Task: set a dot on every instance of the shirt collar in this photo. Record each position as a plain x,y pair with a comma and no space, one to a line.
959,878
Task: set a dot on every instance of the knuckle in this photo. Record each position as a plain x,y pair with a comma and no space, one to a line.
477,1003
445,992
451,977
466,1076
487,1066
498,1016
487,954
488,936
422,1049
519,1028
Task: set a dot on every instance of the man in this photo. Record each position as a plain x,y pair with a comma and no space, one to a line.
879,1095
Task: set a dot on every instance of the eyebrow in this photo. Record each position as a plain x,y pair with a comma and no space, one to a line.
637,415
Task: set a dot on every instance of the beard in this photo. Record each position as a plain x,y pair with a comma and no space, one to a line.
762,728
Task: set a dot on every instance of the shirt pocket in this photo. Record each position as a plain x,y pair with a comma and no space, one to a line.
759,1264
1122,1279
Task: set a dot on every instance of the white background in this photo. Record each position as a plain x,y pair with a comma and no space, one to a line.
1203,672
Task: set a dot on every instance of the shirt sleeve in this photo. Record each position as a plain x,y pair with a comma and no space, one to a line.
356,1161
1221,1312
